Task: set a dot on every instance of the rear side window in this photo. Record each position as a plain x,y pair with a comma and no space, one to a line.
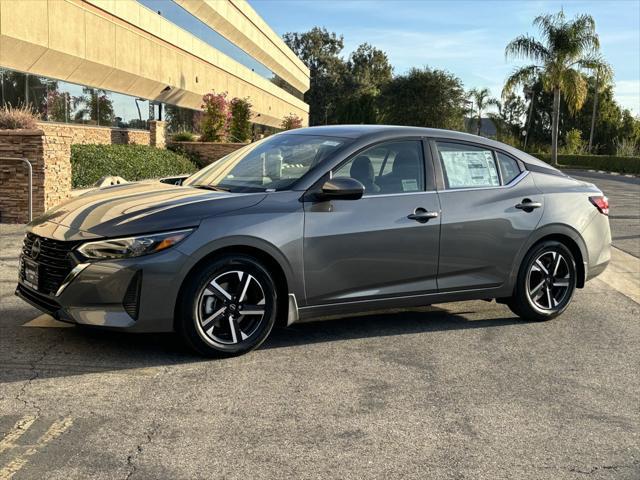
509,168
466,166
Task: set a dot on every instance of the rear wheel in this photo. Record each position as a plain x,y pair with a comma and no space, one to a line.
228,307
546,282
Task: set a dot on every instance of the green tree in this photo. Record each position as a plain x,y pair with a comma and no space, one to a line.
481,98
573,143
96,105
567,48
240,125
367,71
604,76
319,50
424,98
508,120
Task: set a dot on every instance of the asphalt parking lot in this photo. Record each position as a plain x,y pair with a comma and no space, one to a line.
453,391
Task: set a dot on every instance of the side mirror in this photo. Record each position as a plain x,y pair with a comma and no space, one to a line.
177,180
344,188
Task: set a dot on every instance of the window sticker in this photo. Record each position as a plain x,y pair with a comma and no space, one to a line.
330,143
470,168
409,185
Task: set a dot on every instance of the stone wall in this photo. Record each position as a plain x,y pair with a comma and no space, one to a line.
50,160
48,149
86,134
206,152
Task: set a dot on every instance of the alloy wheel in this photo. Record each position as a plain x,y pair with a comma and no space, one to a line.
230,308
549,281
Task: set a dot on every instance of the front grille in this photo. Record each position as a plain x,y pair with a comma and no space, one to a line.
54,261
42,302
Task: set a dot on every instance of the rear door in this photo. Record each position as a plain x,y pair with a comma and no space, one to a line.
485,219
370,248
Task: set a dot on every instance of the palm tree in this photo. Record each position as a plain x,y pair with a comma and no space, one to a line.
604,75
567,49
481,100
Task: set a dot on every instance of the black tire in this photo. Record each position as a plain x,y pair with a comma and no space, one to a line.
200,302
554,299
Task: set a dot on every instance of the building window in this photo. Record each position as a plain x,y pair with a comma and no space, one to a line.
196,27
63,102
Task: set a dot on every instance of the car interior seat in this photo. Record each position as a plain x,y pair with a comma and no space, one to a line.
362,170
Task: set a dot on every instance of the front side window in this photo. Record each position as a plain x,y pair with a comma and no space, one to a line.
272,164
392,167
466,166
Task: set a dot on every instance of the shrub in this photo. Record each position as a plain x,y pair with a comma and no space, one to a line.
291,121
215,118
89,163
13,118
188,154
240,128
598,162
573,143
627,147
183,137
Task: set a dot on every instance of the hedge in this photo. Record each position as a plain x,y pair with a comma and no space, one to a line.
608,163
89,163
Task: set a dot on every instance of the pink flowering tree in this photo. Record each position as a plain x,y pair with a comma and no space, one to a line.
216,117
291,121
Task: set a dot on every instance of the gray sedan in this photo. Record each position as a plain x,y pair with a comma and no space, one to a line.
318,221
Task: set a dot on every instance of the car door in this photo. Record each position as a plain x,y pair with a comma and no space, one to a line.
384,244
490,206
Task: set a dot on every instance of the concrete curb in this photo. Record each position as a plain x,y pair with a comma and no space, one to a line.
623,274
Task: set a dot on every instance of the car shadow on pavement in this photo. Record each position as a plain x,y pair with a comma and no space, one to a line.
423,320
61,352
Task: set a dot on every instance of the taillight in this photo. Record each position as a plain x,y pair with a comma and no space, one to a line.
601,203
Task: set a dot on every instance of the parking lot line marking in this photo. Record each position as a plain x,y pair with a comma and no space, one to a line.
46,321
55,430
16,432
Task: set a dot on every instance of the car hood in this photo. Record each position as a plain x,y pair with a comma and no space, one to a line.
136,208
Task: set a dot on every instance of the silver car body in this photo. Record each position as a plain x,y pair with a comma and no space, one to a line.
332,257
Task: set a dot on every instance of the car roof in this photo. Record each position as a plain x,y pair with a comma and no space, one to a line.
371,131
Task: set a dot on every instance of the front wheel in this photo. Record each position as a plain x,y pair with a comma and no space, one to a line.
546,282
228,307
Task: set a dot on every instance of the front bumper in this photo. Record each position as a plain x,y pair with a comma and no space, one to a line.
137,294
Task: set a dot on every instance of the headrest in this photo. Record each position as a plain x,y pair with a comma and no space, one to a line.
361,168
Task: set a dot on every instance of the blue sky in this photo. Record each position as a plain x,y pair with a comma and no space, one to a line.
462,36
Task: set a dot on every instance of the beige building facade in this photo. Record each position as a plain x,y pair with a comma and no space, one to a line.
123,63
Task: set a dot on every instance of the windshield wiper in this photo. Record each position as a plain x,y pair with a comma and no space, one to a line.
204,186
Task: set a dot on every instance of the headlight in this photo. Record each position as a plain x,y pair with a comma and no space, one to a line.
132,246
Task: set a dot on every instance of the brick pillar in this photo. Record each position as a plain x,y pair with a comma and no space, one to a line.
57,169
50,160
158,130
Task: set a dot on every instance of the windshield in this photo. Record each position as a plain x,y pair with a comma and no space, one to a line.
274,163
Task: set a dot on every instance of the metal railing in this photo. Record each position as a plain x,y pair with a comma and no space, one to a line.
30,170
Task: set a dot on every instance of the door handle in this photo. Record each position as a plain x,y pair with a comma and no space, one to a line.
527,205
422,215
